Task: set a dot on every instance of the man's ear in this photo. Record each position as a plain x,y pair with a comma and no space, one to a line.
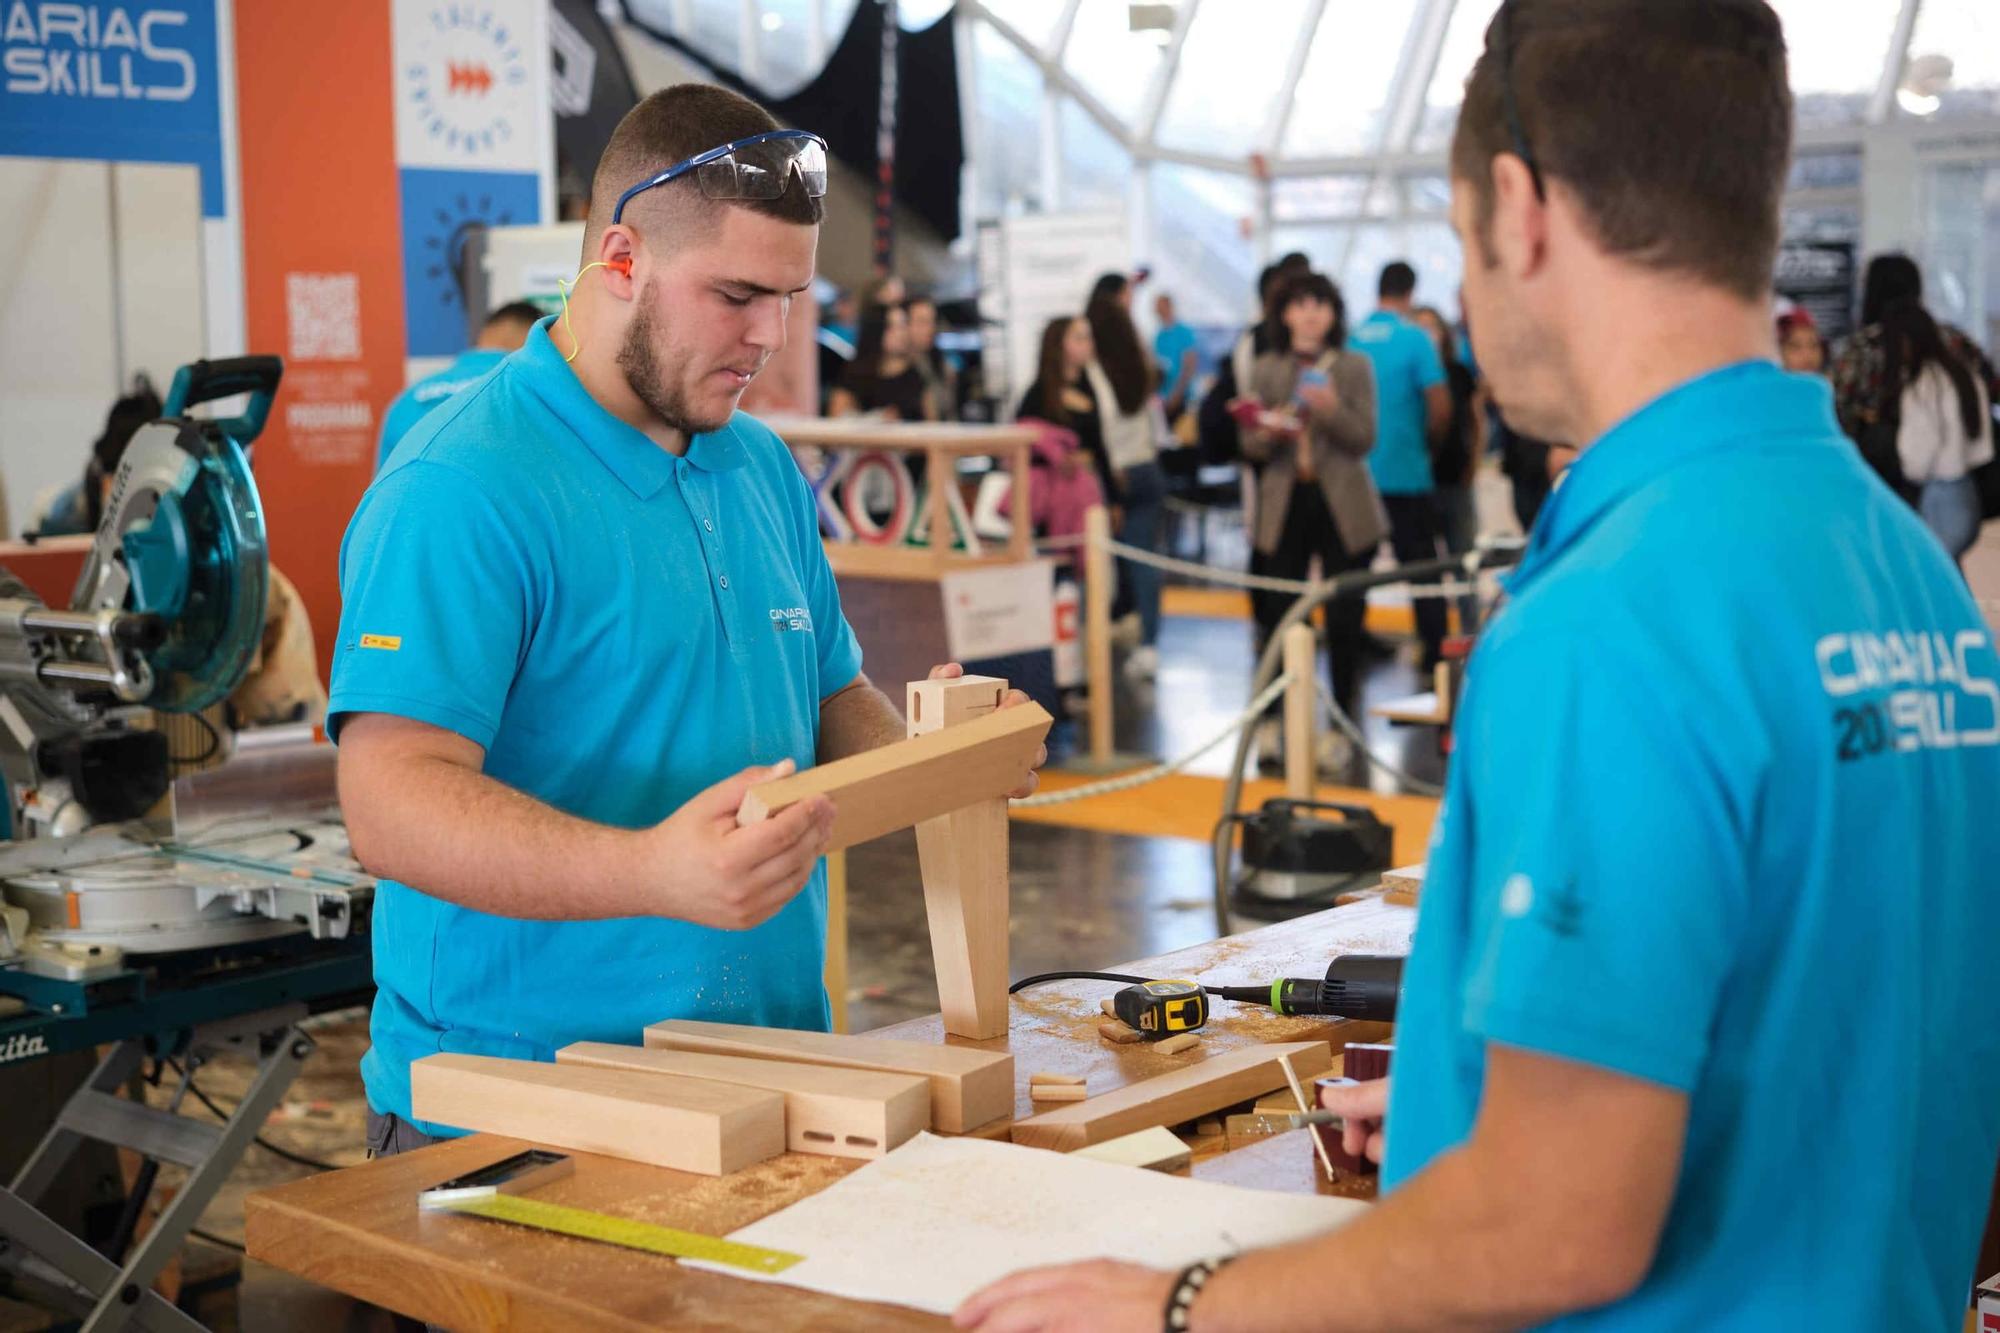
1520,223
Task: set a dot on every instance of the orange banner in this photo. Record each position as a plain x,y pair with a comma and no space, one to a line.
322,264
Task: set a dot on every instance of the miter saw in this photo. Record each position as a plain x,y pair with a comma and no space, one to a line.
167,615
159,922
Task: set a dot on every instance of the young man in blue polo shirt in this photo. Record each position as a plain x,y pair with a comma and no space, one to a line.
1700,1030
504,331
1412,405
585,608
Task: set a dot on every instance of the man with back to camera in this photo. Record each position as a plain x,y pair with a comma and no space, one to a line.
1699,1030
504,331
585,608
1413,406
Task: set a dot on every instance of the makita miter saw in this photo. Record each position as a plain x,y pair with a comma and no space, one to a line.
167,615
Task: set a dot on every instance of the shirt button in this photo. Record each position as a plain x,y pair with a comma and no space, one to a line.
707,526
725,580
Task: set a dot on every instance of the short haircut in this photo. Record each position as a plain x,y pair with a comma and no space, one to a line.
669,127
1398,281
525,313
1670,122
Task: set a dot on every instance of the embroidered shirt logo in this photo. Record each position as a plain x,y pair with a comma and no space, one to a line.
388,643
789,619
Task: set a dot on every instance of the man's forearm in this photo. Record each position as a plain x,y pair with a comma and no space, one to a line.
1445,1251
468,839
855,720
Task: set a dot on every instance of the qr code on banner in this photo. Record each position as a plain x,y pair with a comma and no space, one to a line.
323,316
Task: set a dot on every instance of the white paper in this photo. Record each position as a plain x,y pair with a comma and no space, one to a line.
937,1219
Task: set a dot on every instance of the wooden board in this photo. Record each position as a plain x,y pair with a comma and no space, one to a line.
684,1123
962,858
840,1112
968,1087
1209,1085
1155,1149
1403,887
913,780
359,1231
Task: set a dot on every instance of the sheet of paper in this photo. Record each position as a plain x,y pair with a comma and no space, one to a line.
937,1219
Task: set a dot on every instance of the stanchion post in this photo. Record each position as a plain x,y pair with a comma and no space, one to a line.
1099,586
1301,659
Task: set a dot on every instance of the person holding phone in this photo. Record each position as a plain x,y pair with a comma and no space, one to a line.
1310,422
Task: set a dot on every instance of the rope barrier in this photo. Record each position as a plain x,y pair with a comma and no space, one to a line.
1128,781
1266,583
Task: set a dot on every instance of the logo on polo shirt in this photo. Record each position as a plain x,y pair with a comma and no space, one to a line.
388,643
1908,690
790,619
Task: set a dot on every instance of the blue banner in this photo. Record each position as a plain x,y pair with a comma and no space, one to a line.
439,208
113,82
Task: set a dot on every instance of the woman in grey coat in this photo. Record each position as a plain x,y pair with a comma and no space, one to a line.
1309,423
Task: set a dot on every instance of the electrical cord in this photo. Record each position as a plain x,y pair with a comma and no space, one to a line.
222,1241
259,1139
1037,980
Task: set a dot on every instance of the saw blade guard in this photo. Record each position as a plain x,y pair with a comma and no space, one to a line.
183,538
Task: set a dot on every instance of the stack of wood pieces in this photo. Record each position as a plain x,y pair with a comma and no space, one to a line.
1056,1088
713,1098
1201,1088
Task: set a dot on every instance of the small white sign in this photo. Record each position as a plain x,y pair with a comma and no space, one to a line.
471,91
999,610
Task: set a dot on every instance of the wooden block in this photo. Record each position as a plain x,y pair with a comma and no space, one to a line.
683,1123
1058,1092
1110,1007
913,780
1055,1080
968,1087
837,1112
1120,1032
932,705
1155,1149
1403,887
1201,1088
962,859
1176,1044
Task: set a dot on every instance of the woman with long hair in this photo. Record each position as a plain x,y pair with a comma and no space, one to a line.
1312,430
1061,394
1944,427
1123,382
883,377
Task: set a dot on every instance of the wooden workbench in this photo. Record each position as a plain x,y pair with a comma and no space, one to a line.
358,1230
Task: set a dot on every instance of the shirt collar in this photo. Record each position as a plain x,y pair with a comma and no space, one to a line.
1720,409
632,457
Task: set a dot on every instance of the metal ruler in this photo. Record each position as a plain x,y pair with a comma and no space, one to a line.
620,1231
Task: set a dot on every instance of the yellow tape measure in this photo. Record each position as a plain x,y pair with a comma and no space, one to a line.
620,1231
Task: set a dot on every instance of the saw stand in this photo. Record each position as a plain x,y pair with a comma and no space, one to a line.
45,1262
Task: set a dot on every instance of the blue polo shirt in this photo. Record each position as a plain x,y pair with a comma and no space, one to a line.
412,404
1721,819
1406,363
619,629
1171,344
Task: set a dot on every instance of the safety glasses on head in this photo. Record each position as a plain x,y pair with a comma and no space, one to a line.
759,167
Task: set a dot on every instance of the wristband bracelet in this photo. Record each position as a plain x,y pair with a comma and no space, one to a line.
1193,1278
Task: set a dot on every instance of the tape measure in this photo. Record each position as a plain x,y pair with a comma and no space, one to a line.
1162,1008
491,1192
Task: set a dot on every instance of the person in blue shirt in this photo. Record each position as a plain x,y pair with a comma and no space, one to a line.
504,331
1413,408
1700,1029
585,608
1176,350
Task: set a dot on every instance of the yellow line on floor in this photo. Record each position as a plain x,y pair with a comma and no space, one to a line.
1230,604
1186,806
